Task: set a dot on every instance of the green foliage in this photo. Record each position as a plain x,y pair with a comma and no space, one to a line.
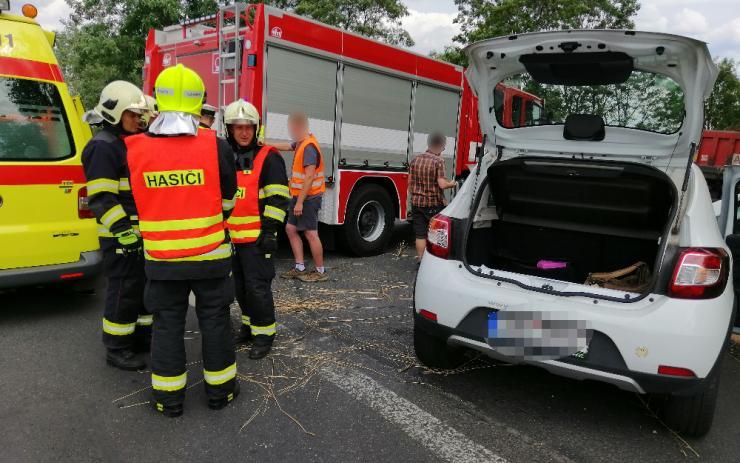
723,107
484,19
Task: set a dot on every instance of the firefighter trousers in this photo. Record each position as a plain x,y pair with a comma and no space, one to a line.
168,300
126,322
253,274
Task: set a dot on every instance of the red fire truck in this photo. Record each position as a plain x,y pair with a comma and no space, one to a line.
370,105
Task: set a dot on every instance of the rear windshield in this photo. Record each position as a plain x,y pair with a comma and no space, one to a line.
33,124
646,101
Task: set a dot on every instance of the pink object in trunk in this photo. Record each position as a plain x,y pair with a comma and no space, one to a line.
551,264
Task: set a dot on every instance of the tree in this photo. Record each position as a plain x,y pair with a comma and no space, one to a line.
723,107
483,19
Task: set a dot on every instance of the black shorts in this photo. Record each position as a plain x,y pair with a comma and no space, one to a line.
309,220
421,217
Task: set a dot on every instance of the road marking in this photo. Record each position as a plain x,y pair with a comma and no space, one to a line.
444,441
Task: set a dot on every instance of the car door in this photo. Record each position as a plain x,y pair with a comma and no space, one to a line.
729,223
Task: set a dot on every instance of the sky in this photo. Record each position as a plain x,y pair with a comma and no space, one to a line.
431,25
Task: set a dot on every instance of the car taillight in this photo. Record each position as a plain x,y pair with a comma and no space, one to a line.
675,371
83,210
700,273
439,236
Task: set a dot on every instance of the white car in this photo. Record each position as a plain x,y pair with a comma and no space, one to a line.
599,179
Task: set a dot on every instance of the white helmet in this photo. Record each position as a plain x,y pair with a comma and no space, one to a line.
119,96
241,112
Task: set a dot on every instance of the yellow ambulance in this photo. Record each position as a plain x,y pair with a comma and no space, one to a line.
47,233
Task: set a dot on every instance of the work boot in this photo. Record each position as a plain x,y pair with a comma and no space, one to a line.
292,274
314,276
259,351
125,359
244,336
170,411
218,404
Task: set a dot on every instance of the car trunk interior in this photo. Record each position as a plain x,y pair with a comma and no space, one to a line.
565,219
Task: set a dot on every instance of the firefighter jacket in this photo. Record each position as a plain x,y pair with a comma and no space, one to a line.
299,171
262,198
108,188
184,188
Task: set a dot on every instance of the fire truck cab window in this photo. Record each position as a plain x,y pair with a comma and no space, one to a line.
516,111
33,124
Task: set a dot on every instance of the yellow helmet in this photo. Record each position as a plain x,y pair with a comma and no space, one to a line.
179,89
241,112
119,96
153,111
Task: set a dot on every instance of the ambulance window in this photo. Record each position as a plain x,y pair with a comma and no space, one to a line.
33,124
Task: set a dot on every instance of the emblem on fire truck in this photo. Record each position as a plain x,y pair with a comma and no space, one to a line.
166,60
276,32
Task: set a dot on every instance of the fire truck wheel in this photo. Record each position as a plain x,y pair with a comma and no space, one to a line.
369,222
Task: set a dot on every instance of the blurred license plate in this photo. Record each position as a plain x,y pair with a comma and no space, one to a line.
537,335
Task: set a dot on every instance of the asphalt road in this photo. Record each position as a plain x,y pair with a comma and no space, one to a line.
341,385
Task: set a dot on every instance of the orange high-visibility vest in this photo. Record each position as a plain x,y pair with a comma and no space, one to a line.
299,172
244,223
176,186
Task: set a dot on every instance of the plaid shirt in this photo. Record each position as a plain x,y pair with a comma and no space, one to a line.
425,169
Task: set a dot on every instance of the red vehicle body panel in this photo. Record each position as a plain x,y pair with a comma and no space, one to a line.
716,149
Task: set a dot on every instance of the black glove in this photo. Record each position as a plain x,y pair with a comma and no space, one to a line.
129,241
267,242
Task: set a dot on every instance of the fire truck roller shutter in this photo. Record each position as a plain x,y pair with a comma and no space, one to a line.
436,110
376,110
299,82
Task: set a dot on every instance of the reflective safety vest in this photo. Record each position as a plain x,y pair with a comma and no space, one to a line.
176,185
299,172
244,223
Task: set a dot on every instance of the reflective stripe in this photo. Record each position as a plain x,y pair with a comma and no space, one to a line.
124,185
227,204
274,213
104,232
176,225
243,220
145,320
318,183
214,378
268,330
277,190
169,383
134,217
101,185
185,243
240,234
261,194
221,252
118,329
113,215
246,320
301,175
296,185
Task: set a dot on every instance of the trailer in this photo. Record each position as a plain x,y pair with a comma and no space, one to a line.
716,150
370,105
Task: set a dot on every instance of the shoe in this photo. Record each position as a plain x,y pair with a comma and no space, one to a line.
259,351
292,273
125,359
218,404
170,411
313,277
244,336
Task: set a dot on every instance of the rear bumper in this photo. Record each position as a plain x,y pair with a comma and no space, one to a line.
89,265
625,379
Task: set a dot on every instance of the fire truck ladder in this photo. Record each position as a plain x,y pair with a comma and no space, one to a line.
230,32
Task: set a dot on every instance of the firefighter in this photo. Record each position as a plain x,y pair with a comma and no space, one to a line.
126,323
153,110
183,180
207,116
262,202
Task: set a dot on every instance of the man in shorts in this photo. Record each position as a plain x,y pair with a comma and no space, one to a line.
427,180
307,187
